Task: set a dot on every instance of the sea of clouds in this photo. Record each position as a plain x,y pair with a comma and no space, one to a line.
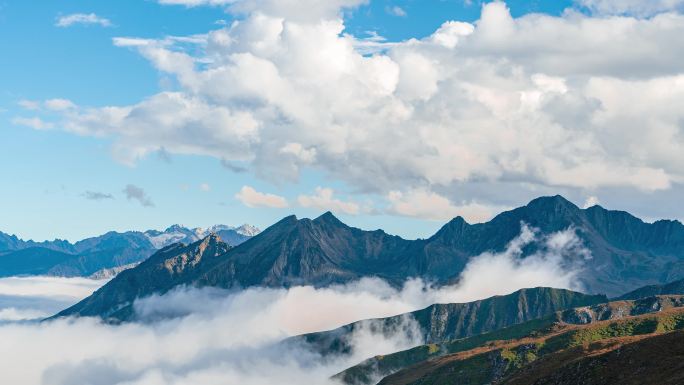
34,297
208,336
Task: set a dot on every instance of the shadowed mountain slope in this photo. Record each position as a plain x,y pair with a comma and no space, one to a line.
672,288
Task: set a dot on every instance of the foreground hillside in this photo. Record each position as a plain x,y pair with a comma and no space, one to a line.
640,360
445,322
547,350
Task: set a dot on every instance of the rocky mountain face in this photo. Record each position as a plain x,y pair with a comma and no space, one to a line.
626,252
620,309
164,270
445,322
108,251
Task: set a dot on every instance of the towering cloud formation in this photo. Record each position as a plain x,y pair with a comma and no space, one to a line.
532,102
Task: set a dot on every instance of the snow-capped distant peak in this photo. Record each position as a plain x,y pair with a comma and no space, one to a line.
247,230
164,239
180,233
175,227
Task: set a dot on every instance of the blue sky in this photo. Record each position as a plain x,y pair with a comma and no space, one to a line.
47,173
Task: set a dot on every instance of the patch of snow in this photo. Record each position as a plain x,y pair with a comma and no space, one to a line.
247,230
165,239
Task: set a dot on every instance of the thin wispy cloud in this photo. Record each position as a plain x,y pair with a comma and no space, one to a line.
196,3
233,167
396,11
97,196
82,18
138,194
638,8
164,155
59,104
29,104
35,123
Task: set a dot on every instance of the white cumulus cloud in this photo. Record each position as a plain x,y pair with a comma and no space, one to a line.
531,103
324,199
432,206
253,198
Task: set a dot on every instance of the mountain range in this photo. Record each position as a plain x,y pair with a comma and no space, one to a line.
626,253
108,251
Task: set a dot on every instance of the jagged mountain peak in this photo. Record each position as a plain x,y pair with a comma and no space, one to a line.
328,218
288,221
175,227
211,244
555,203
211,239
248,230
453,227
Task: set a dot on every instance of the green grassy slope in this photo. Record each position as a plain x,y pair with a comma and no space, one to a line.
537,355
371,370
